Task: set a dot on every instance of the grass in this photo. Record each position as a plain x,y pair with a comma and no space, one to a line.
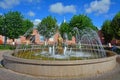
7,47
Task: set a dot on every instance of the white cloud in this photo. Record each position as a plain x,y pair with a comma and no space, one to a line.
60,8
31,13
36,22
5,4
99,7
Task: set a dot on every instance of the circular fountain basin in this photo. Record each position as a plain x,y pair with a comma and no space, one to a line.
61,68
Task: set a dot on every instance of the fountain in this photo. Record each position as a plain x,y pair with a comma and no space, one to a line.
84,58
87,45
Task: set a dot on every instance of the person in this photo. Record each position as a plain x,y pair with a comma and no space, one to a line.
109,44
13,43
114,48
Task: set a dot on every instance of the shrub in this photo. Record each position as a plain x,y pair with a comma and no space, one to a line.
7,47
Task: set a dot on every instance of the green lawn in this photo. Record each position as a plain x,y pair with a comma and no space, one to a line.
7,47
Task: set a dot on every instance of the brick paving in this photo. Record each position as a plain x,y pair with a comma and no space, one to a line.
6,74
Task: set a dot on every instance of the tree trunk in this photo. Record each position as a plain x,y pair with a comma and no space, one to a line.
5,41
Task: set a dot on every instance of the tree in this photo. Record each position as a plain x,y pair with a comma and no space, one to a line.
27,25
47,27
15,25
3,28
81,22
65,29
115,25
1,25
107,31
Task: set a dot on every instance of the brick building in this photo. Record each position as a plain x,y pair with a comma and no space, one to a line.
35,38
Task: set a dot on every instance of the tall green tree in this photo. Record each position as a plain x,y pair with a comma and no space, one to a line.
1,25
65,29
15,24
81,22
3,28
115,24
27,25
107,31
47,27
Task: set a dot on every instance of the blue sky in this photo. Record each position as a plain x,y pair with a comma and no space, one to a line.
36,10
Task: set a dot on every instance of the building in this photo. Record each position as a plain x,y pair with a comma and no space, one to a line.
36,38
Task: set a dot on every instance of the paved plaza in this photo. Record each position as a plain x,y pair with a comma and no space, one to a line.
6,74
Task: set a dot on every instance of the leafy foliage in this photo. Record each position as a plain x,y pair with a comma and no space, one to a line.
81,22
7,47
14,25
3,28
1,25
115,25
48,26
27,24
65,29
107,31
